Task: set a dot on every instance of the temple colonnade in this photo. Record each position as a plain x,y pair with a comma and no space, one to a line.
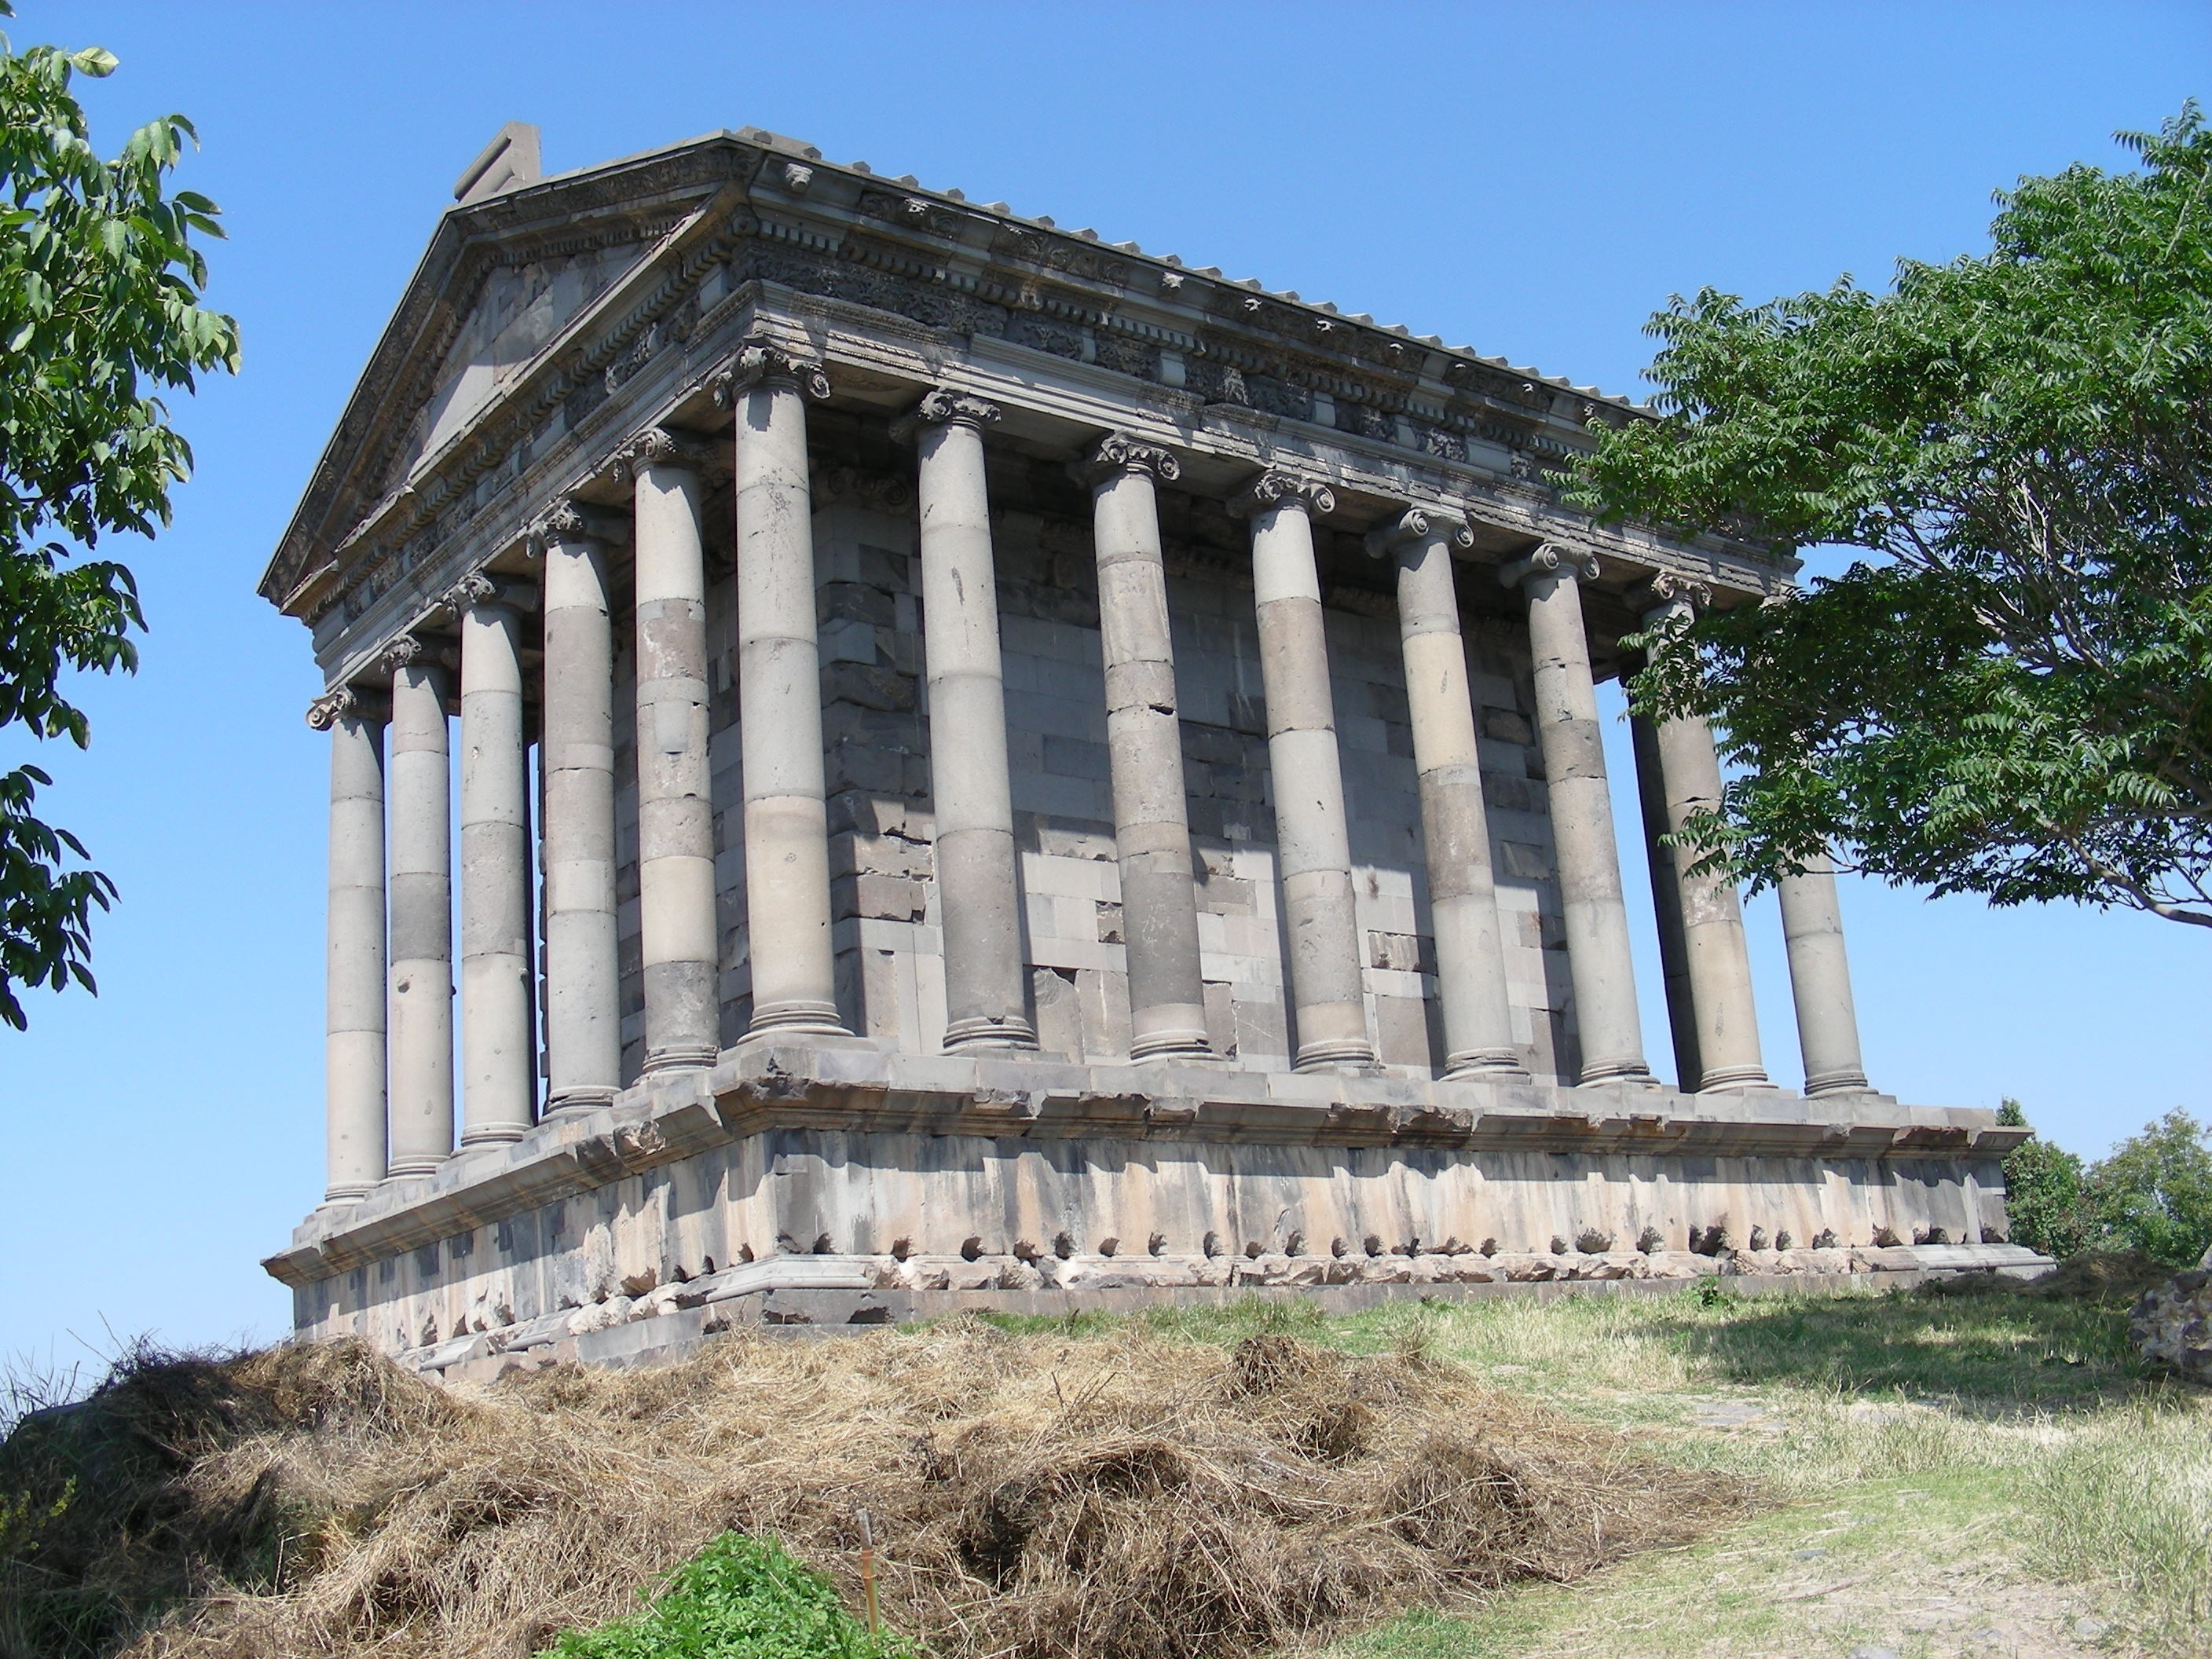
391,1083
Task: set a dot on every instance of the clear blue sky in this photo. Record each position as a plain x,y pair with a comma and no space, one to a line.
1531,180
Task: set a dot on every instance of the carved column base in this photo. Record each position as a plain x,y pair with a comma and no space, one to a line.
1333,1051
689,1058
1735,1077
580,1100
795,1017
1008,1031
1172,1043
1838,1082
1485,1063
1617,1070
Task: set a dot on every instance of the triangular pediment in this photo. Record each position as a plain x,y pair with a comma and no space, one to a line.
503,282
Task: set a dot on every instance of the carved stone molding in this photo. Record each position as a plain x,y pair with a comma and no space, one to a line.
1672,592
945,407
1278,486
1119,453
1418,524
344,703
1552,558
762,359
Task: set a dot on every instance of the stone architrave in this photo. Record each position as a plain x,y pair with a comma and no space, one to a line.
779,695
1821,980
499,1084
419,773
1455,828
355,990
1594,911
675,806
1715,961
1313,841
583,1027
973,796
1144,743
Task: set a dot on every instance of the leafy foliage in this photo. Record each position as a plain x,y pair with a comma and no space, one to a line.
100,288
2153,1194
739,1598
2013,695
2046,1194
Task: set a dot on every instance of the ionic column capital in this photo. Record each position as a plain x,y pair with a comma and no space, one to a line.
1672,593
480,591
660,446
412,650
343,702
945,407
1419,524
1120,454
1280,487
1552,558
571,520
763,359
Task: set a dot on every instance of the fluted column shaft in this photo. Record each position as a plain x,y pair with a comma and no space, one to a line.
1313,843
354,986
1471,991
1144,745
1595,914
499,1084
421,776
576,758
1715,960
1821,980
780,698
675,810
977,895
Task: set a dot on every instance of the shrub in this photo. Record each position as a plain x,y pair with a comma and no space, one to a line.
2153,1194
2046,1196
739,1598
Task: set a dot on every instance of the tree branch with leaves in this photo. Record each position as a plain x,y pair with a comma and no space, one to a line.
100,311
2011,694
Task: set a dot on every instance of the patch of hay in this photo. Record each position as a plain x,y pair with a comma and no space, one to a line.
1116,1496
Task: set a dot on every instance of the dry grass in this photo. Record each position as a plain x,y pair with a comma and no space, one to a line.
1117,1496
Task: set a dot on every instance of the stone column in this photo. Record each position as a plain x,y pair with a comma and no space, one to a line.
1666,902
421,773
1455,828
1820,981
1715,961
675,808
499,1081
354,986
780,696
1582,814
576,764
977,895
1143,744
1313,845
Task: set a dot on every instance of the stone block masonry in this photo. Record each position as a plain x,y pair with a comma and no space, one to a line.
1055,774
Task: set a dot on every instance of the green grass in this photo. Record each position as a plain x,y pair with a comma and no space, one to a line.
1950,1470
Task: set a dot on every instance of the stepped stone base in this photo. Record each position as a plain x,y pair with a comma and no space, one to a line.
829,1182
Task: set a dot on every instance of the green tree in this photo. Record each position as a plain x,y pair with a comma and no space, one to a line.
2011,694
2154,1192
2046,1195
100,291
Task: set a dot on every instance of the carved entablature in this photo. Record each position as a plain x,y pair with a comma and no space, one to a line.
651,266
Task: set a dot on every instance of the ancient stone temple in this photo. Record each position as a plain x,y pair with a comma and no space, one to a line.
953,761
